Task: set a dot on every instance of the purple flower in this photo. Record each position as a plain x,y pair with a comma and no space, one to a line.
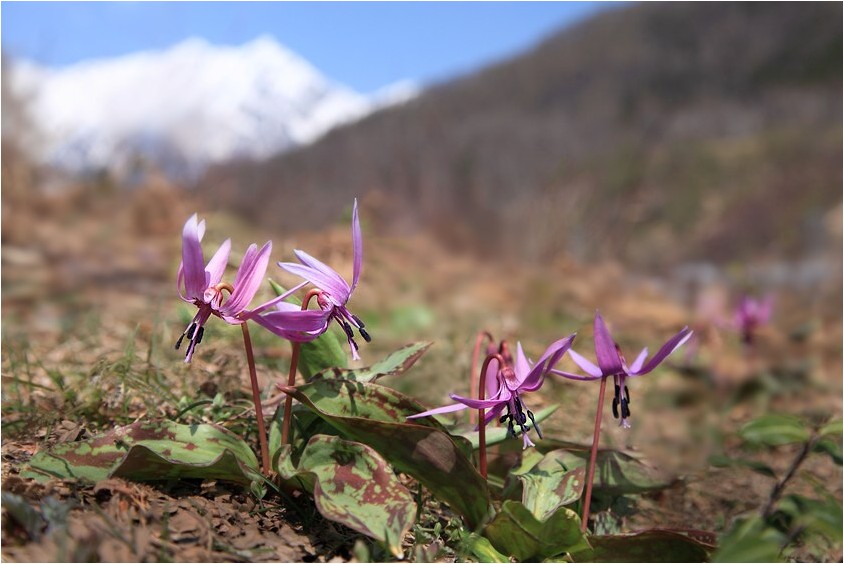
612,363
510,381
751,314
200,284
334,291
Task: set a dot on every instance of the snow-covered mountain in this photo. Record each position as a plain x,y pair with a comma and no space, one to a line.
188,106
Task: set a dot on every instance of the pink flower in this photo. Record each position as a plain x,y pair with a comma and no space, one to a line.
335,292
612,363
200,284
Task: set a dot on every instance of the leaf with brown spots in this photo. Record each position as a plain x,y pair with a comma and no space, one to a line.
148,451
356,487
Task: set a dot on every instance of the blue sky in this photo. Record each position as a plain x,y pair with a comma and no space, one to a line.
364,45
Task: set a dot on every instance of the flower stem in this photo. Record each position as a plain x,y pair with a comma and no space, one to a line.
776,493
291,376
481,425
593,455
473,386
256,397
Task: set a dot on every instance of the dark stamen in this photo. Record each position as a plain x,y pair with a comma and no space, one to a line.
199,335
359,322
615,408
503,418
348,329
625,409
535,424
627,394
190,331
179,342
365,335
354,344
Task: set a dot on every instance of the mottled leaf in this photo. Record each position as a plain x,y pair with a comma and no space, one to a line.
722,461
326,351
750,540
516,532
655,545
147,451
495,435
775,430
616,473
548,485
375,415
393,364
354,486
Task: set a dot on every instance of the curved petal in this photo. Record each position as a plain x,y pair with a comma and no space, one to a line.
192,260
549,358
521,366
571,376
279,302
303,321
669,347
217,265
438,410
357,247
320,266
482,404
493,414
584,364
328,283
248,279
605,348
640,360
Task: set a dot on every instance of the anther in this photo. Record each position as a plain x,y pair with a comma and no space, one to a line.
365,335
191,329
625,409
535,424
199,335
179,342
615,408
358,321
348,329
627,394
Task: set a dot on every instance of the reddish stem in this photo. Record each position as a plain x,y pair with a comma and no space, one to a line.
291,376
473,387
481,426
256,397
587,499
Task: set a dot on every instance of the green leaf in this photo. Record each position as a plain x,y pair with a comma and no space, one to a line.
548,485
822,517
354,486
750,540
721,461
483,550
374,415
148,451
393,364
775,430
831,428
326,351
616,473
655,545
495,435
830,446
515,531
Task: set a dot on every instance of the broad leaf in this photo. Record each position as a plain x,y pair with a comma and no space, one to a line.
656,545
616,473
483,550
548,485
148,451
775,430
750,540
374,415
354,486
516,532
830,446
393,364
326,351
832,428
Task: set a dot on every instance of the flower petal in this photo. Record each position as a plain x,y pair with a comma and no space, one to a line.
521,366
330,282
482,404
193,263
605,348
668,348
584,364
438,410
549,358
279,302
640,360
217,265
571,376
248,279
357,247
